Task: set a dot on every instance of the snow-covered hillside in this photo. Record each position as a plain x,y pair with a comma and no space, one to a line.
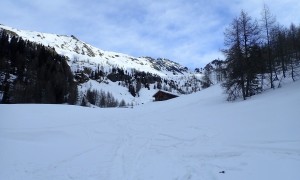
199,136
85,58
73,48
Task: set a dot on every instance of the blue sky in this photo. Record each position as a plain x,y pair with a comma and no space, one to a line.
189,32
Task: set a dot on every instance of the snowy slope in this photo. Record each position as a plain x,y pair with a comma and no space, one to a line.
84,56
191,137
73,48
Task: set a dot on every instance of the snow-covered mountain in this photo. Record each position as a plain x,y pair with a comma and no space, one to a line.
85,58
73,48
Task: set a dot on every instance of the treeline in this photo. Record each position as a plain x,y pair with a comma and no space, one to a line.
135,80
258,54
101,99
33,73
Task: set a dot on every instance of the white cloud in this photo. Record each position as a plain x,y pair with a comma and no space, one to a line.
189,32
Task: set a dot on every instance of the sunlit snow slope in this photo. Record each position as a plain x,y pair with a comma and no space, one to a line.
200,136
82,57
85,55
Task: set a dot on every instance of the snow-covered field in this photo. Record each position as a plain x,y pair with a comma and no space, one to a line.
198,136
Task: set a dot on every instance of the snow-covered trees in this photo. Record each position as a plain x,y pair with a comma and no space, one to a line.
101,99
206,80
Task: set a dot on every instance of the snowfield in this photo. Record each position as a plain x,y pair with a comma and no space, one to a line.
193,137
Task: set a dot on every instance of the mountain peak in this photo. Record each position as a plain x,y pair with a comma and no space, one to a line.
86,60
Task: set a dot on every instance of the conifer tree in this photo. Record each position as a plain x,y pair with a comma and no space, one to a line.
241,36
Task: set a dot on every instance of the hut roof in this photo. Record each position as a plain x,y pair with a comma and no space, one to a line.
165,92
163,95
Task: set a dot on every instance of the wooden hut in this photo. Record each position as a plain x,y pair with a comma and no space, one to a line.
163,95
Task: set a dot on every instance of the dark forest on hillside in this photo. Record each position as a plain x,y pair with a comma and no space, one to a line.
33,73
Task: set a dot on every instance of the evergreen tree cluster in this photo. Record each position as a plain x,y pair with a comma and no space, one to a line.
134,81
33,73
101,99
257,53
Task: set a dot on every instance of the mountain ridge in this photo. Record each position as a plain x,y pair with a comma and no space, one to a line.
126,77
71,46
